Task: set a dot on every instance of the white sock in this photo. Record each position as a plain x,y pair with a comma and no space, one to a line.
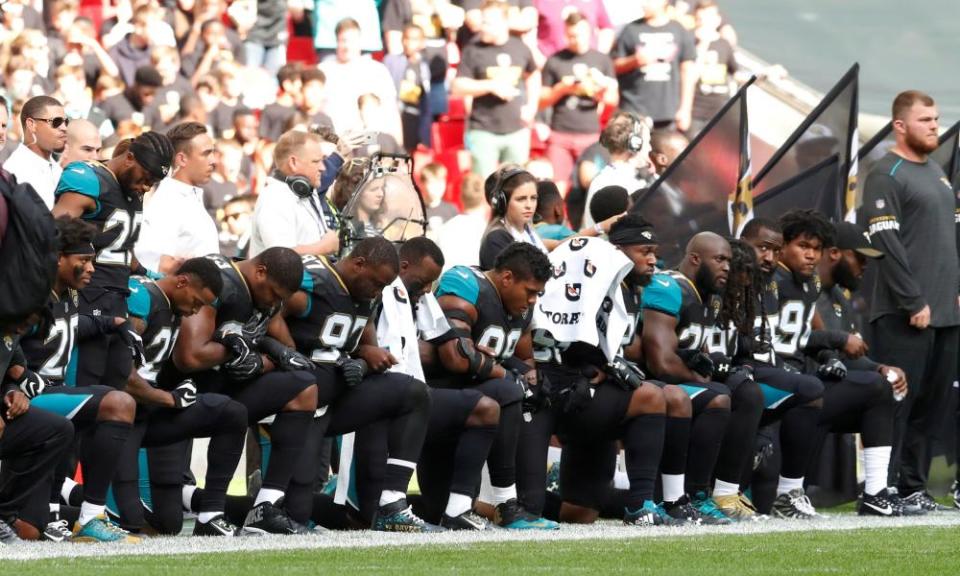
787,484
457,504
54,511
187,494
721,488
391,496
501,495
67,488
89,511
876,460
672,487
205,517
270,495
553,455
620,480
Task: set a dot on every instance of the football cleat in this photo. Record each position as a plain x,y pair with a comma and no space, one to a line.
57,531
469,520
649,514
955,494
553,478
217,526
708,510
794,505
737,507
102,530
512,516
683,512
267,518
399,517
886,503
925,501
7,534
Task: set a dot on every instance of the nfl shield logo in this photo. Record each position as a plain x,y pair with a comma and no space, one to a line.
880,204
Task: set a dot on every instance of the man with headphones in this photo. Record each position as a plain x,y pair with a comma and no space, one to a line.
627,137
288,211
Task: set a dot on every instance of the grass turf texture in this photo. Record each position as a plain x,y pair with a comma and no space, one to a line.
902,550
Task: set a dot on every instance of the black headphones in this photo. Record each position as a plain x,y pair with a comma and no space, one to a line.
300,185
498,198
635,139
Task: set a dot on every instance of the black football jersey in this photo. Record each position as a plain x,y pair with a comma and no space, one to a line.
674,294
632,300
118,217
51,351
796,307
494,328
333,322
148,303
235,303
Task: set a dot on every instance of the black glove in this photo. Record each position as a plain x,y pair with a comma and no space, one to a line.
535,396
698,362
284,357
832,369
31,383
184,395
252,330
352,369
132,340
245,362
722,366
626,373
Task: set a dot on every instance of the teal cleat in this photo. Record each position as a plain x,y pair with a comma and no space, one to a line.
512,516
708,510
399,517
102,530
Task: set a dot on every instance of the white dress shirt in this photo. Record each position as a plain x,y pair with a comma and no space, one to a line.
618,174
176,224
460,238
281,218
31,168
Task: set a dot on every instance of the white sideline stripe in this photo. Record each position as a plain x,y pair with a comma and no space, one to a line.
607,530
402,463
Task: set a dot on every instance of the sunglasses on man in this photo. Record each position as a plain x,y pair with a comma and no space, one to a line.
55,122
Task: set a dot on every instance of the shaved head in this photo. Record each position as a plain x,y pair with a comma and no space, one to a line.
83,142
707,242
707,262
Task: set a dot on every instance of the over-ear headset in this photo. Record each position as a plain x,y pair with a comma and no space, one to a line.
498,198
635,139
300,185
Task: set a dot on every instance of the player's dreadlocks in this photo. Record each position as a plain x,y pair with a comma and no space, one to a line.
742,295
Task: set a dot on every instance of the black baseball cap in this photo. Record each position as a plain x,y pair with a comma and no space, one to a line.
852,237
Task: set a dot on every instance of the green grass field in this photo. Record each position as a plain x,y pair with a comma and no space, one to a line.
896,551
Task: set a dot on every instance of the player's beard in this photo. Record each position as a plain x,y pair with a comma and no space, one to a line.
844,276
705,280
919,145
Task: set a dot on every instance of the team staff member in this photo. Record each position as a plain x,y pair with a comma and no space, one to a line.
289,211
176,225
908,208
110,196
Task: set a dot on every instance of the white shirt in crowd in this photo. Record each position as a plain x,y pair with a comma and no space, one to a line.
31,168
176,223
617,174
281,218
459,239
347,82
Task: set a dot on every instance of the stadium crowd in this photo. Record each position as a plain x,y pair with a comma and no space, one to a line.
211,229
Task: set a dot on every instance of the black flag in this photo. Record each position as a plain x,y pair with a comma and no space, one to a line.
697,191
814,188
830,129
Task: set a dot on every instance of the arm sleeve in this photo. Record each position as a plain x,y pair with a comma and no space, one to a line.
881,208
332,165
493,244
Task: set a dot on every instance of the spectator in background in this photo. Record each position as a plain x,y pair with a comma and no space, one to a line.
665,146
176,225
460,237
551,24
512,194
288,211
209,41
434,179
594,159
133,51
609,202
490,73
373,116
350,75
266,42
222,117
235,227
314,97
227,180
80,48
411,77
627,138
327,16
133,102
83,143
77,98
550,213
655,63
575,81
521,18
540,167
44,125
716,66
245,133
276,115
